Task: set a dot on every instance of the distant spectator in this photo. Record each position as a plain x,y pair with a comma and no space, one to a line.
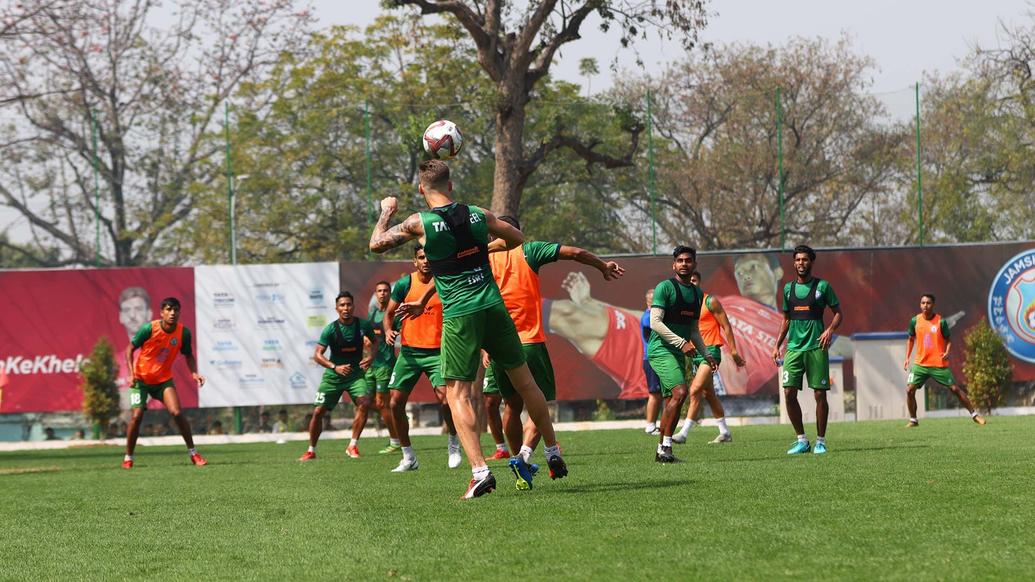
282,422
79,435
48,434
217,428
264,422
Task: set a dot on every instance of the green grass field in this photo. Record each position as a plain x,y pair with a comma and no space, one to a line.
948,500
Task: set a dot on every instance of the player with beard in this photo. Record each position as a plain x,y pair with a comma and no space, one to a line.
674,315
804,301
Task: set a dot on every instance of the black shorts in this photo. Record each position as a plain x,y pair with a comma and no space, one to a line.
653,382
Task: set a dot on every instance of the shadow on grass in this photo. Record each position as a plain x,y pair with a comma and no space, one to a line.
607,487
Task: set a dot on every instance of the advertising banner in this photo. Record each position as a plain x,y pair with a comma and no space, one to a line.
51,320
257,331
594,326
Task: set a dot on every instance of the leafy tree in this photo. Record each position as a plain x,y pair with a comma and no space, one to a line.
304,155
986,366
100,386
715,115
70,69
516,44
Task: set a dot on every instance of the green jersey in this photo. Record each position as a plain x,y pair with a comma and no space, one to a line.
463,278
804,331
346,343
539,253
682,305
385,354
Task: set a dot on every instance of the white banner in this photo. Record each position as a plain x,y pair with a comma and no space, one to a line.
257,327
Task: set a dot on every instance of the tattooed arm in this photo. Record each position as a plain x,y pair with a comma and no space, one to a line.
385,238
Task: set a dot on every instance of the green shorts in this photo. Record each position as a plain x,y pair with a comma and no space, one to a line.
140,391
464,336
497,381
670,366
698,359
377,377
918,375
411,363
329,393
814,365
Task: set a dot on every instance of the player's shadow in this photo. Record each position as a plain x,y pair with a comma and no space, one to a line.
113,451
851,449
616,487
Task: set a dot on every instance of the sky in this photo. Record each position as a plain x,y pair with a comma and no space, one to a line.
906,38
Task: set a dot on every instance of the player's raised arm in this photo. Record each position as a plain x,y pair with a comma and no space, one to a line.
384,238
501,230
609,269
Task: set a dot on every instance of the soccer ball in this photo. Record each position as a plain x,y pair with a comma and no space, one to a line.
442,140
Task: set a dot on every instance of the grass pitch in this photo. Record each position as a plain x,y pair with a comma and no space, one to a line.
948,500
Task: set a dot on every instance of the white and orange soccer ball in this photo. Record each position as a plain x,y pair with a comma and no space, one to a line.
442,140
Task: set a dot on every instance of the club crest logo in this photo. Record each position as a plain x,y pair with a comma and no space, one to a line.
1011,305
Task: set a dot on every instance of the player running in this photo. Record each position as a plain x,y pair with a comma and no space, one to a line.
804,300
713,325
159,342
381,368
516,272
455,237
674,317
347,337
930,333
420,354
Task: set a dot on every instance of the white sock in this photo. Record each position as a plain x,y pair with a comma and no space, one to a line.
913,419
802,438
454,441
312,448
821,440
660,450
501,446
689,424
393,442
408,454
525,453
649,427
666,441
353,442
480,472
554,451
723,428
192,452
127,458
973,414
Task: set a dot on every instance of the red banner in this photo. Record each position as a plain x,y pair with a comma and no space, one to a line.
594,326
52,319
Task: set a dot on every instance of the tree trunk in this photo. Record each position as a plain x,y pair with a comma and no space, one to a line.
508,182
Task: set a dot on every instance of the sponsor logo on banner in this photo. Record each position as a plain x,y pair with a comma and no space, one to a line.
250,379
316,321
316,298
225,346
42,364
226,364
1011,305
271,363
271,321
222,300
298,381
223,324
266,285
272,345
272,298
